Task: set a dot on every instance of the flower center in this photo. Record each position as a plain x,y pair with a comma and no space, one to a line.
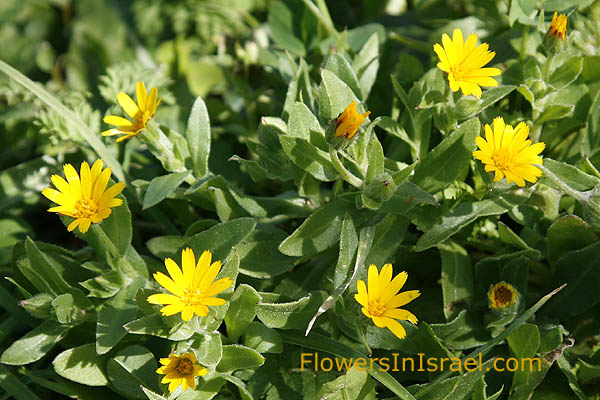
375,308
503,295
185,366
456,71
192,297
85,208
502,157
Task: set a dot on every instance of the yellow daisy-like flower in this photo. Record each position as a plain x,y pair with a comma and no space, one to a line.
140,113
349,121
194,289
508,152
502,295
180,371
558,26
84,198
381,300
464,63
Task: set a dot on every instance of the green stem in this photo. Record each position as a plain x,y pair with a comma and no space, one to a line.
344,173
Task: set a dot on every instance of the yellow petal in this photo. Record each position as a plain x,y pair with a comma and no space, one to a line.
141,94
188,263
128,105
168,284
396,328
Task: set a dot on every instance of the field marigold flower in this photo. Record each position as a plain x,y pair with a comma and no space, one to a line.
141,113
180,371
84,196
381,300
558,26
349,121
464,63
502,295
194,289
508,152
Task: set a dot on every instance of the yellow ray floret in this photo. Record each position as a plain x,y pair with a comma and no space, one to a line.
509,153
180,371
193,289
464,61
349,121
380,299
558,26
140,113
84,196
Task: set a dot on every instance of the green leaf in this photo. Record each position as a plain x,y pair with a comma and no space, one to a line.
567,73
166,246
82,365
354,384
587,372
388,236
236,357
241,310
366,65
263,339
308,157
132,368
469,106
441,166
568,233
524,341
328,345
342,69
155,325
151,395
208,349
463,332
281,24
114,314
63,308
198,137
35,344
348,246
162,186
222,238
292,315
457,278
14,387
244,393
259,254
554,112
318,232
459,217
303,124
579,270
335,96
567,178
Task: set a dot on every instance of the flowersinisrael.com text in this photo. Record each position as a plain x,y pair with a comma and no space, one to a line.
396,363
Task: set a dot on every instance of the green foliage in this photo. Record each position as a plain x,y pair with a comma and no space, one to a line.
241,159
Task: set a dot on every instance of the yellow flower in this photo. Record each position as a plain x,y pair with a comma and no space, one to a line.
193,289
502,295
349,121
558,26
464,61
381,301
180,371
508,152
140,113
86,199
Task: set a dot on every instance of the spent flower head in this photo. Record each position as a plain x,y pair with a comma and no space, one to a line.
348,122
502,295
193,289
180,371
380,299
141,113
84,196
463,62
558,26
507,151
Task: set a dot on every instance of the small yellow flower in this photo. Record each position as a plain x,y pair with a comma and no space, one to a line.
180,371
464,63
381,301
193,289
140,113
502,295
84,198
508,152
558,26
349,121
